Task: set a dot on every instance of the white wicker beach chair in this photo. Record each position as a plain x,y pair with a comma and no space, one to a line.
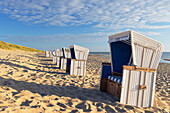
57,57
47,53
77,64
131,76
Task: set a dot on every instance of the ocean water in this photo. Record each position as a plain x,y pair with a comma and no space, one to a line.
165,55
99,53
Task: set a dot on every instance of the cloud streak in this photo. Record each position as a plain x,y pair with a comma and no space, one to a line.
104,14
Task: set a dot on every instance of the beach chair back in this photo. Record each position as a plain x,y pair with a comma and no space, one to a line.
66,53
78,52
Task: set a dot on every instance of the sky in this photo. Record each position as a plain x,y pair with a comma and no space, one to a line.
51,24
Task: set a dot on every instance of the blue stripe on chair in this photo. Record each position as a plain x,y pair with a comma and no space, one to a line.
116,78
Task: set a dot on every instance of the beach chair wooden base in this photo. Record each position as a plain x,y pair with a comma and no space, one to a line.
114,88
103,84
129,89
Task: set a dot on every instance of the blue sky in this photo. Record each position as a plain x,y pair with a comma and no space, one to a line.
50,24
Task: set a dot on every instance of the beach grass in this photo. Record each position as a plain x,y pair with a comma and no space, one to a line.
8,46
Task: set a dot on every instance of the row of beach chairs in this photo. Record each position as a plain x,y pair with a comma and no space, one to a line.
130,76
72,60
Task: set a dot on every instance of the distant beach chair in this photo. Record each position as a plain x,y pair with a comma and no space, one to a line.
77,64
57,57
47,53
131,75
64,58
51,53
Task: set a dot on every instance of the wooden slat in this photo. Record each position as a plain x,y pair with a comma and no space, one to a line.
144,90
128,93
78,68
84,70
151,63
73,67
141,73
142,87
134,68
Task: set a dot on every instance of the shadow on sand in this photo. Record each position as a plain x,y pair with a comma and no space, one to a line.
71,91
83,94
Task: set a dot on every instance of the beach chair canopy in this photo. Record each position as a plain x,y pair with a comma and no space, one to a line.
79,53
66,52
131,48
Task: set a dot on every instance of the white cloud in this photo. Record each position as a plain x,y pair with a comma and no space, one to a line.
150,33
107,14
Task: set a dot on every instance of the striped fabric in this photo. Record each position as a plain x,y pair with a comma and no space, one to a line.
116,78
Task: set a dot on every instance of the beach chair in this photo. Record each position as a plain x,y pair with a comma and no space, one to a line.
57,57
64,58
51,54
77,64
131,75
47,53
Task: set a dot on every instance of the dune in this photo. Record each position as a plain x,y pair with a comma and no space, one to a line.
30,82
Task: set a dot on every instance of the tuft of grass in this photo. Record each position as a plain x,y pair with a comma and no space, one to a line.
8,46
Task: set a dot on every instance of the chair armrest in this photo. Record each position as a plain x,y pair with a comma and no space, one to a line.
106,70
106,63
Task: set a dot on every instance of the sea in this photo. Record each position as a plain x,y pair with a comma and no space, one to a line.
165,55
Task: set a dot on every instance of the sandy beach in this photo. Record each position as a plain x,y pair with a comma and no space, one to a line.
31,83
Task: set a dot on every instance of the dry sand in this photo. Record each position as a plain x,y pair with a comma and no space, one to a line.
30,83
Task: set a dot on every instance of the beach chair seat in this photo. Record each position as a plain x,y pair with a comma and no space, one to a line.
117,79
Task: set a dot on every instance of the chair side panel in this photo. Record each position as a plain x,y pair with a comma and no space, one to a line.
132,94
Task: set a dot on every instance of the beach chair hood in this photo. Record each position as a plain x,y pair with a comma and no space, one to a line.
130,46
66,52
78,52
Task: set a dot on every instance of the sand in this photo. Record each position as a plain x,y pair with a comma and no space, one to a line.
31,83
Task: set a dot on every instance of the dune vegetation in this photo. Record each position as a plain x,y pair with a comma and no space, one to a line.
8,46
